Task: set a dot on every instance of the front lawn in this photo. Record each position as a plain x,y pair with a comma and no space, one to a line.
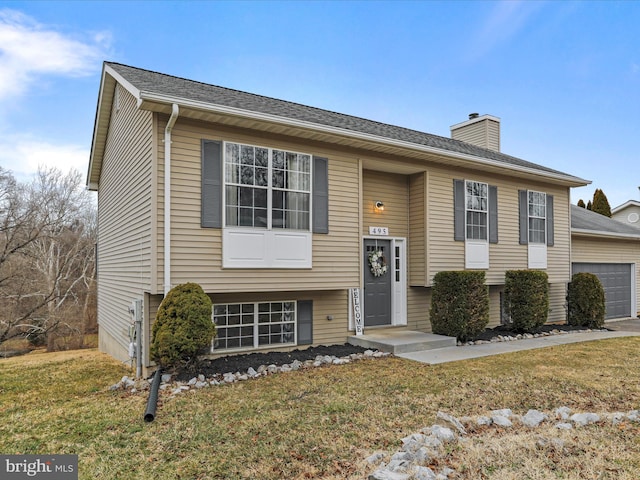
323,422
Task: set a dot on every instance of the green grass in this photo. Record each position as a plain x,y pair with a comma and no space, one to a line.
322,423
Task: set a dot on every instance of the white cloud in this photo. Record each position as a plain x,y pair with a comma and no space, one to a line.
23,155
29,50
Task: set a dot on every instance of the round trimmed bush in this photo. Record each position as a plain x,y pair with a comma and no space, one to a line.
526,299
459,304
183,326
586,301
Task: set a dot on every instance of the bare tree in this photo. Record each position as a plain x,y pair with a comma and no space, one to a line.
47,263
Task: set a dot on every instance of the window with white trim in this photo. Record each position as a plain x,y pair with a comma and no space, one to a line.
266,188
254,325
477,208
537,217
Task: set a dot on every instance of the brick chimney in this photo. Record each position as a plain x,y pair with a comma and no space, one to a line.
480,130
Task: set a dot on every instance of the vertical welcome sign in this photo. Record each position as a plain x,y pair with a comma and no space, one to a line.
356,310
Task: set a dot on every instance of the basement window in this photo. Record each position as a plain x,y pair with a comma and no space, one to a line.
254,325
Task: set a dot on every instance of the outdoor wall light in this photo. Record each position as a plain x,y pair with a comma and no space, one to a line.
379,206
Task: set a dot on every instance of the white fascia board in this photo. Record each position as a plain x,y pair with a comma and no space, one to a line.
210,107
601,234
122,81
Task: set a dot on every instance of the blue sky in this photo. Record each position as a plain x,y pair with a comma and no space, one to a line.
564,77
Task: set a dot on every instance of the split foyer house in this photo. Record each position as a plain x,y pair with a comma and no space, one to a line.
283,212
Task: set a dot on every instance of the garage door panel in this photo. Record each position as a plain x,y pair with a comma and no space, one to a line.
616,281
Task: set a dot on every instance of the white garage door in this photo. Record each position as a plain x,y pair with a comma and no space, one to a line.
616,281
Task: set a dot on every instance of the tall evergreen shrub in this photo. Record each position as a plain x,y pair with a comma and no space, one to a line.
586,301
459,304
526,297
183,326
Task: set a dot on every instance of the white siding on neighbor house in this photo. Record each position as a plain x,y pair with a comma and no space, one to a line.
124,222
196,252
630,215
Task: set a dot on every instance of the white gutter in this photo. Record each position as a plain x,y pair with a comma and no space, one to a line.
167,197
208,107
603,234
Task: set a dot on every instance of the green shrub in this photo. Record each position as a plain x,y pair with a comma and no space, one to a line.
183,326
526,297
459,304
585,298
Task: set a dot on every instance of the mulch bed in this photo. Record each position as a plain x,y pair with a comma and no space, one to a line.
241,363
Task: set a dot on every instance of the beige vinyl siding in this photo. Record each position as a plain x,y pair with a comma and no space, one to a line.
124,219
418,306
446,254
393,191
607,250
197,252
417,251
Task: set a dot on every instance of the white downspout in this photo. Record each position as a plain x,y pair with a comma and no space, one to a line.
167,197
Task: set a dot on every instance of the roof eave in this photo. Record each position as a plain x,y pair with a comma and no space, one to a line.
604,234
101,124
150,101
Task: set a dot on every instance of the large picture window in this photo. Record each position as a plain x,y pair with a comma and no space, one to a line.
253,325
266,188
537,217
477,207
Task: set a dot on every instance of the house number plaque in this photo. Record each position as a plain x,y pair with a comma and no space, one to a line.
384,231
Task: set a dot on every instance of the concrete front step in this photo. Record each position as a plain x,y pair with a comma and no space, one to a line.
401,341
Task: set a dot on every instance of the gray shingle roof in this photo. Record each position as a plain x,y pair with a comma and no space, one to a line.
583,219
157,83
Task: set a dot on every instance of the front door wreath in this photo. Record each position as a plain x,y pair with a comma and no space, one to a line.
377,263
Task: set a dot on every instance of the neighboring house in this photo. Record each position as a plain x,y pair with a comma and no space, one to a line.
275,208
611,250
628,212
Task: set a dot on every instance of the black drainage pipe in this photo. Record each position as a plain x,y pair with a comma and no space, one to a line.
152,403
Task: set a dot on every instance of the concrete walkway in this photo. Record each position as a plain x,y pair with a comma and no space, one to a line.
625,328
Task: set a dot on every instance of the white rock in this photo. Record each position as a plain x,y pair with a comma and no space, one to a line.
504,412
242,377
383,474
617,417
193,381
633,416
422,455
375,457
483,421
272,369
583,419
453,421
229,377
201,378
533,418
501,421
166,377
251,372
444,434
201,384
368,353
563,412
445,473
285,368
296,365
423,473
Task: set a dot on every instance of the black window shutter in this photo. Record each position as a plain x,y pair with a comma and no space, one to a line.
550,220
211,201
523,206
493,214
305,322
320,195
458,211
